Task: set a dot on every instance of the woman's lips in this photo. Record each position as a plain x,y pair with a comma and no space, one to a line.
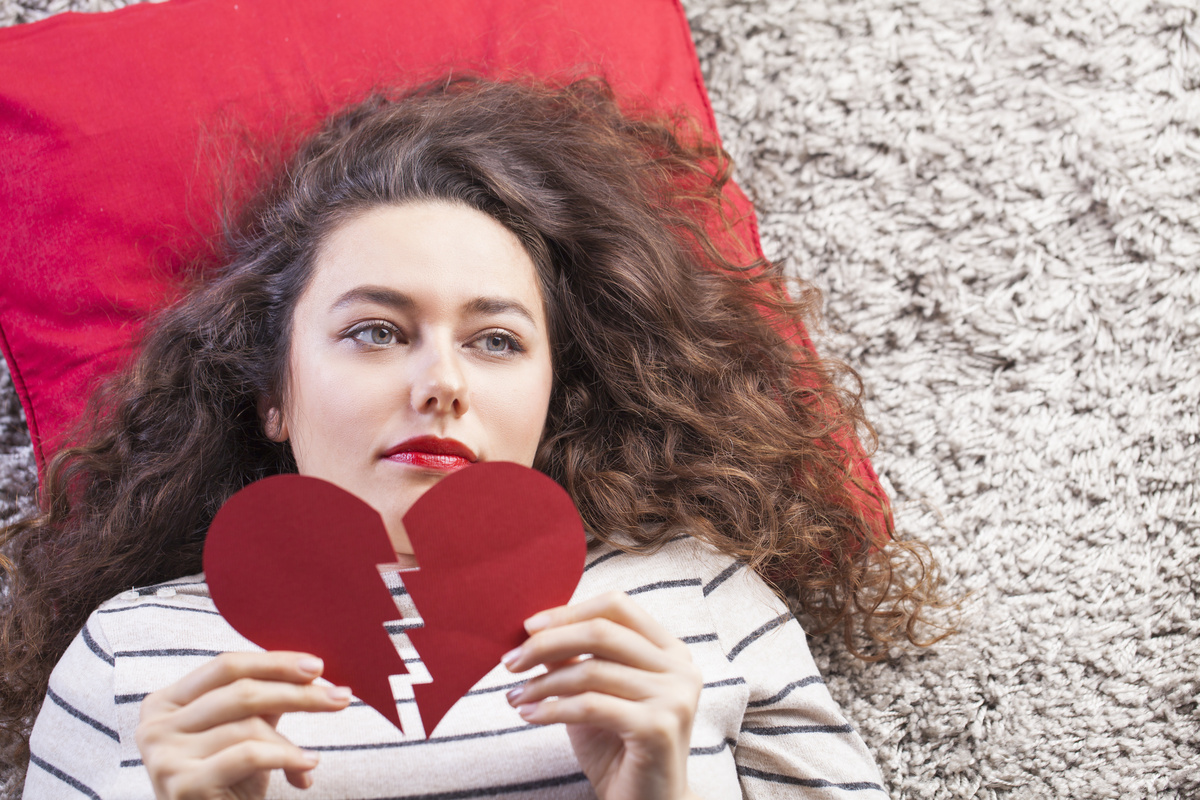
429,460
432,452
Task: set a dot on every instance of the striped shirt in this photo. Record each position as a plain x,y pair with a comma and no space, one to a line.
766,727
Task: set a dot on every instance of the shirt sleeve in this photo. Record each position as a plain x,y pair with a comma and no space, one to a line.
74,748
794,740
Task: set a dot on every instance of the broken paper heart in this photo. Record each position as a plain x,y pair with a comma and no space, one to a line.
291,563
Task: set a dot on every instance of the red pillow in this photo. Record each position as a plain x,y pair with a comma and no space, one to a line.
101,121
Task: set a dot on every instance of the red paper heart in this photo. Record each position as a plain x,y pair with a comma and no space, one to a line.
291,564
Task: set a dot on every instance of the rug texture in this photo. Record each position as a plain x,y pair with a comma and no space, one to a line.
1001,200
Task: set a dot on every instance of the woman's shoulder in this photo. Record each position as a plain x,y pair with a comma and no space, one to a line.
689,578
187,590
172,620
683,562
158,602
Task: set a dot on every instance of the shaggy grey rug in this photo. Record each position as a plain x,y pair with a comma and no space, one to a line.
1001,199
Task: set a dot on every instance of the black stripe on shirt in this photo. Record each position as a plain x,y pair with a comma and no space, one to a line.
131,762
749,640
180,651
724,576
400,626
397,591
399,702
493,689
95,647
64,777
122,699
604,558
813,783
506,686
650,587
703,637
809,681
341,748
194,581
615,553
712,751
82,717
781,730
158,605
492,791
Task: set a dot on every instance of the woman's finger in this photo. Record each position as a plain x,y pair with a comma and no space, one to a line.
275,665
248,697
600,637
615,606
210,742
208,777
301,779
598,675
177,758
630,719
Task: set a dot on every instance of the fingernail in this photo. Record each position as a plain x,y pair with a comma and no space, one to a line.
307,780
527,710
509,658
311,758
310,665
515,695
339,693
537,622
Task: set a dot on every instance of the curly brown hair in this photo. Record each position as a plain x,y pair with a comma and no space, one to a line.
681,403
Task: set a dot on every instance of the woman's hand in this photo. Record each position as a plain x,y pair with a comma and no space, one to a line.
212,734
628,708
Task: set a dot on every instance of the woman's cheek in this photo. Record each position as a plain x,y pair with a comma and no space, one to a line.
514,414
338,415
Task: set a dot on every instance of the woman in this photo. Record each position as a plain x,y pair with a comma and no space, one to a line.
473,272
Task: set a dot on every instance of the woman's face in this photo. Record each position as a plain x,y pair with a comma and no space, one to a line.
419,346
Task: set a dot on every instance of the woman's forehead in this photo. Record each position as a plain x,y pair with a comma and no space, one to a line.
426,253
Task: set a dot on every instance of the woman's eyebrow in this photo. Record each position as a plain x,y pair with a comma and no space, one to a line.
391,298
379,295
498,305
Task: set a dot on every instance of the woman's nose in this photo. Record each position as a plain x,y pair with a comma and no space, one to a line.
440,387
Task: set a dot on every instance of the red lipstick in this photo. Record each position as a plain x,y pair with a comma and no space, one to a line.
430,452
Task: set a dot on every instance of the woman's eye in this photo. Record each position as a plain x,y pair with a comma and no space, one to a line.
499,343
376,335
